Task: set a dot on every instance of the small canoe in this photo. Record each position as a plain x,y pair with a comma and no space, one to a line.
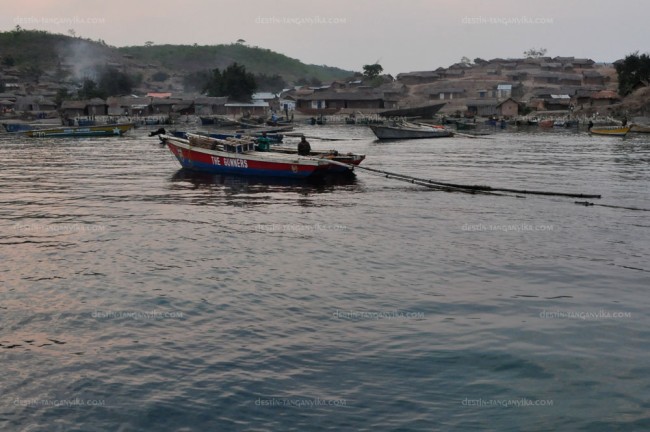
616,131
17,127
89,131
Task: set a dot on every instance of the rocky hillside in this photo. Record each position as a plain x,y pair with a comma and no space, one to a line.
538,83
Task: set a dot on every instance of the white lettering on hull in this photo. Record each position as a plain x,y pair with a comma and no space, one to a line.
228,162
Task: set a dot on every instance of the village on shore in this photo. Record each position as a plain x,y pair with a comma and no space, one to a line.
510,89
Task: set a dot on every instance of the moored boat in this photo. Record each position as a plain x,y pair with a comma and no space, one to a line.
279,122
85,122
348,158
409,131
89,131
640,128
617,131
217,120
17,127
240,157
465,126
274,138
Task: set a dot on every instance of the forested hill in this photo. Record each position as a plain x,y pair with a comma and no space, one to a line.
193,58
39,55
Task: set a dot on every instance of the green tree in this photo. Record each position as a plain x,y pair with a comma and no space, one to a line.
196,81
273,83
632,71
113,82
160,76
233,82
8,61
62,94
214,85
89,89
535,53
373,70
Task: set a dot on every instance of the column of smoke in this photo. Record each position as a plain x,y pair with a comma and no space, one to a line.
83,59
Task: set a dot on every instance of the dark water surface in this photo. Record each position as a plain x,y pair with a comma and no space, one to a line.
136,296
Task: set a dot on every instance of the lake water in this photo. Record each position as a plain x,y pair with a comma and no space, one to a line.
136,296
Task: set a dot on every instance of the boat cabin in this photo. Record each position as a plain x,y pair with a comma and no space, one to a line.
221,145
239,147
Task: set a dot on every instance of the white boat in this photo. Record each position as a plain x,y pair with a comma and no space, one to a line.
640,128
407,130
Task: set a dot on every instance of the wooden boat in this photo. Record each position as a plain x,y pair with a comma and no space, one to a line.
546,123
278,122
268,130
17,127
406,130
240,157
348,158
639,128
465,126
617,131
424,111
90,131
85,122
218,121
274,138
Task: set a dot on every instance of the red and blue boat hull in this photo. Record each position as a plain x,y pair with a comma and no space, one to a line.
204,160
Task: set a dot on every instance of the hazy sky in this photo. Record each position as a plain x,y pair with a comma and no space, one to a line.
404,35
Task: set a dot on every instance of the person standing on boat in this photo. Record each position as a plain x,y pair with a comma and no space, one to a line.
263,143
304,149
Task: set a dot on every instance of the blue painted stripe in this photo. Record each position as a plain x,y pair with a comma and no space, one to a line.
219,169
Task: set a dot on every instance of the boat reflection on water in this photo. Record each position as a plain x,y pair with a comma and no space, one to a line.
257,184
